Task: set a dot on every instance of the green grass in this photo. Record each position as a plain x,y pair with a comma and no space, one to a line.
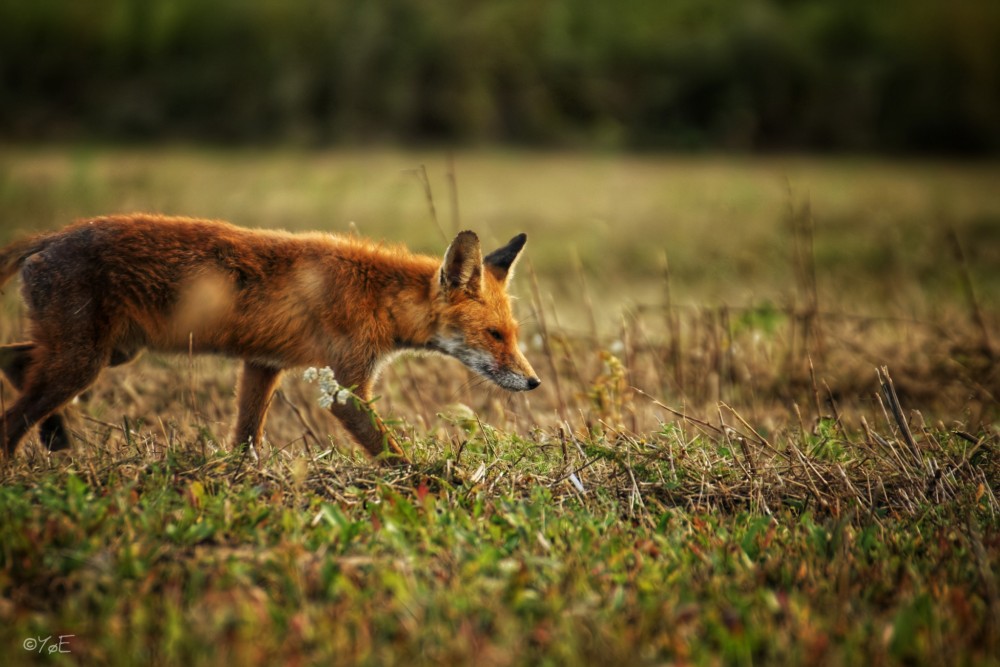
720,481
174,558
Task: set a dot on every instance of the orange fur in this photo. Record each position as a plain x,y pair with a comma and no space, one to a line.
101,290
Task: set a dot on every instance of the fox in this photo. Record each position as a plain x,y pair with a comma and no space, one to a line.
102,290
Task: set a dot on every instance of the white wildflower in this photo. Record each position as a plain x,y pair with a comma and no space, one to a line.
330,391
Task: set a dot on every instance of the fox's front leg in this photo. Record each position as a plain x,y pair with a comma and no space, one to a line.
367,427
257,385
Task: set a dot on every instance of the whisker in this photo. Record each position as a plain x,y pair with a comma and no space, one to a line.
473,382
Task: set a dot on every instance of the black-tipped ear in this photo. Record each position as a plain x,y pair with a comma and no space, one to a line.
500,261
463,264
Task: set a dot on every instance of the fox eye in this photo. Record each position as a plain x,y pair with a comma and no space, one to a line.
496,334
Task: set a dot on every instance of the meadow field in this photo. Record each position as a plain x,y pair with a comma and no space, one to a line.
767,431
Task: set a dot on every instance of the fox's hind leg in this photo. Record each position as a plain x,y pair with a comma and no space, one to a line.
49,380
14,361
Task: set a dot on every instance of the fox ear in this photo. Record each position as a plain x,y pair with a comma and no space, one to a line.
463,264
500,262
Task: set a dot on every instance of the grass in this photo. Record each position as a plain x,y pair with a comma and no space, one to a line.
716,470
172,557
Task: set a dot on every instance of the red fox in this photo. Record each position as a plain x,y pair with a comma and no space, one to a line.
101,290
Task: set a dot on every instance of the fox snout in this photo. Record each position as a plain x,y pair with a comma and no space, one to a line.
517,376
527,376
515,381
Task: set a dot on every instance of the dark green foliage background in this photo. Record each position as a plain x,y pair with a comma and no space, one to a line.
899,75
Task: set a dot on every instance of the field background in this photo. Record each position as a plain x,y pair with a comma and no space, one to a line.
710,472
721,265
761,289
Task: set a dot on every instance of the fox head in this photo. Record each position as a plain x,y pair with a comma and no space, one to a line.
475,324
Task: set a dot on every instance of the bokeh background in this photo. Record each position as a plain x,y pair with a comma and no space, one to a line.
901,76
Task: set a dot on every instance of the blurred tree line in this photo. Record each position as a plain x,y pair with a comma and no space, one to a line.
894,75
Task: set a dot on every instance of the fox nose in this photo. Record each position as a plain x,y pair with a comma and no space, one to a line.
533,383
